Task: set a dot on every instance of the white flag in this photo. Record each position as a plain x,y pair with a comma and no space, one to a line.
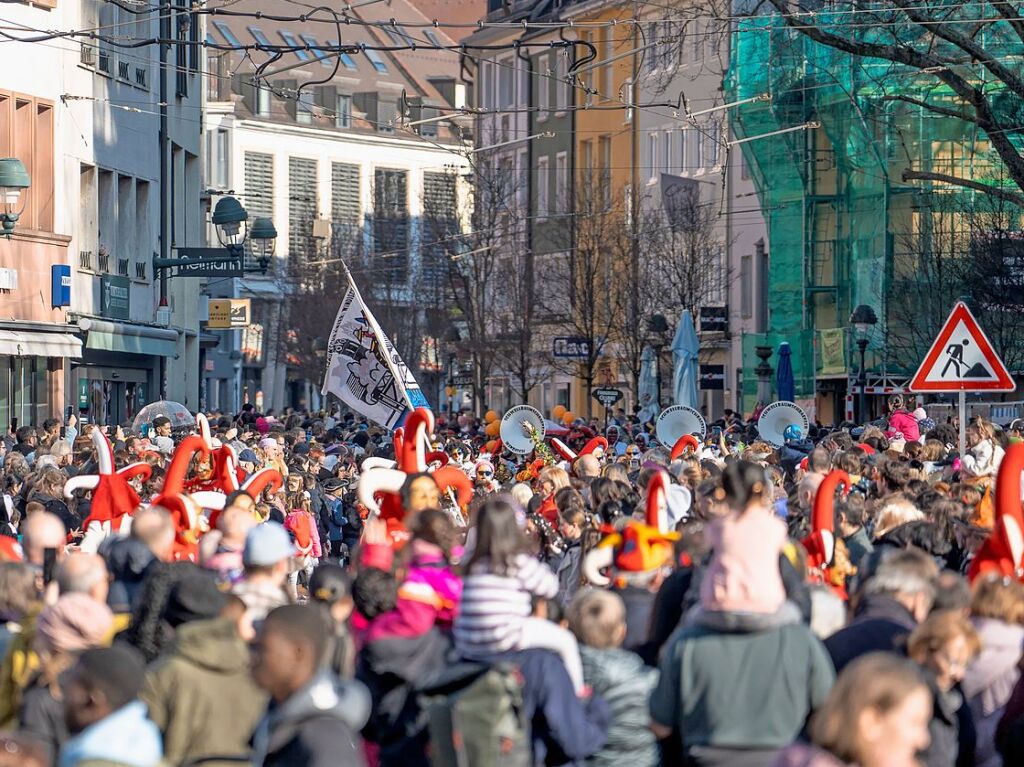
363,368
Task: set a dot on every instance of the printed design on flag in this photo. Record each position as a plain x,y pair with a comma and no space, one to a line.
363,368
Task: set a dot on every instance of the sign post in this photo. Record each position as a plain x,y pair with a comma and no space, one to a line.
962,360
607,396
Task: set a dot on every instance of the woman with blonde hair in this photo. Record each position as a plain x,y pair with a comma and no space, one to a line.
550,480
984,454
876,716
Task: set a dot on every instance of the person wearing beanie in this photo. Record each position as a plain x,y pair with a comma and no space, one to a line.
74,623
266,559
201,694
104,715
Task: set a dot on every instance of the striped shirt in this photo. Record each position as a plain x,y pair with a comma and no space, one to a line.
493,606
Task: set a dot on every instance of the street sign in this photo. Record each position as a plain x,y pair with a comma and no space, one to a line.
962,359
115,296
607,396
229,312
712,377
571,347
714,319
210,262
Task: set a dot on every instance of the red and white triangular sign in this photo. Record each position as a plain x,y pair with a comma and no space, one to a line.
962,359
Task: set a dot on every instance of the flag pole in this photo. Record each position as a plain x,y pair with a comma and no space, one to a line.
379,335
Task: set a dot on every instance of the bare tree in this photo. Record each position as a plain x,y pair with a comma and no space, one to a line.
472,262
580,282
968,246
951,61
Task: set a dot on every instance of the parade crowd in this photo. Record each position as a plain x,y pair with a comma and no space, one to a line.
311,589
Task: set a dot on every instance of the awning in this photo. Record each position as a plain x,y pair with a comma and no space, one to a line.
27,343
127,338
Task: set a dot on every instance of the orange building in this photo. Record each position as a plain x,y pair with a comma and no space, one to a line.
607,151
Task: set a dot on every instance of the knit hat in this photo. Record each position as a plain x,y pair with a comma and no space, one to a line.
248,456
920,414
75,622
194,597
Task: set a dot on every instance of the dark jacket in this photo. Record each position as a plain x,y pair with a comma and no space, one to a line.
129,561
201,694
621,679
668,607
568,572
56,506
392,669
639,603
317,727
881,624
42,717
951,729
565,730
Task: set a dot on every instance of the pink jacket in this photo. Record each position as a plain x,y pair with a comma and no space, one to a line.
743,574
903,422
428,596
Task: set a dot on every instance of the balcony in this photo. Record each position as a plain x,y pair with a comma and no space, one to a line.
85,260
124,71
104,62
122,267
140,270
103,262
142,77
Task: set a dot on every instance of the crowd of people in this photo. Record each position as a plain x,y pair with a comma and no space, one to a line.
311,589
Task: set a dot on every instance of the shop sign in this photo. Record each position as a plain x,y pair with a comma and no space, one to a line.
83,393
60,285
229,313
115,294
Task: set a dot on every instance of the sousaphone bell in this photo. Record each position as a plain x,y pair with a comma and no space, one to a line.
514,434
774,419
676,421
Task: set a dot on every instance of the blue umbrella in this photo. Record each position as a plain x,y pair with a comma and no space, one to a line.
685,353
648,386
784,382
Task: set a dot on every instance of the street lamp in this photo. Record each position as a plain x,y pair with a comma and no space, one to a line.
763,371
863,320
230,220
657,334
263,237
13,180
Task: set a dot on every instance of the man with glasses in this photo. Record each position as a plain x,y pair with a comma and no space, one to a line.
483,480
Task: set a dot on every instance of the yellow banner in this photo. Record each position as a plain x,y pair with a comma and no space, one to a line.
832,345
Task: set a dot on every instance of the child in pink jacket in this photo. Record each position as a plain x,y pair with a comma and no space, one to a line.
430,592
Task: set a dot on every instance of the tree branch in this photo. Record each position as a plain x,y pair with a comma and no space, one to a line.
1002,194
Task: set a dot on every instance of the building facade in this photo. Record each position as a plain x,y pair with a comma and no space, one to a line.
346,180
85,119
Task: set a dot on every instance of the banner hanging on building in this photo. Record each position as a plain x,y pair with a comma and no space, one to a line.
363,368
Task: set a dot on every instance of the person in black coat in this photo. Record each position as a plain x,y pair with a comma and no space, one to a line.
313,718
890,604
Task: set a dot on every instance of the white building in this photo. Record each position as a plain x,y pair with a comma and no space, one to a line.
336,171
92,145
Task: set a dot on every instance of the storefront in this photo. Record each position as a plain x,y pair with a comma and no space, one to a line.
119,371
32,364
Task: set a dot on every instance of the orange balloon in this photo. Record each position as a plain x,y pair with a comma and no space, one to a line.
492,429
557,412
490,416
568,418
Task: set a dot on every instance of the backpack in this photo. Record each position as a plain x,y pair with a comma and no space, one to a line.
476,717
